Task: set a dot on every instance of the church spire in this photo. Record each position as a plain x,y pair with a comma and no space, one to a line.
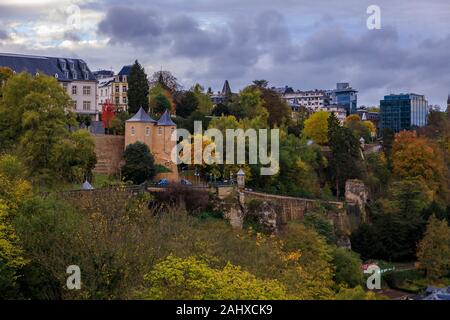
226,90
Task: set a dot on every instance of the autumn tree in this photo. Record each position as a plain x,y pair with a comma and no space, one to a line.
433,251
192,278
138,88
415,157
108,114
358,127
316,127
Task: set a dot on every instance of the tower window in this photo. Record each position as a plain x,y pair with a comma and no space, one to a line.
159,130
147,131
133,131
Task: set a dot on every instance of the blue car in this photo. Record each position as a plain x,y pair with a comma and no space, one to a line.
163,182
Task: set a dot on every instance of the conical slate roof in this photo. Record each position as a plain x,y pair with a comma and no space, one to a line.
226,90
165,120
141,116
87,186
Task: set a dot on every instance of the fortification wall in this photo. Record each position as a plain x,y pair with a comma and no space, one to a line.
109,151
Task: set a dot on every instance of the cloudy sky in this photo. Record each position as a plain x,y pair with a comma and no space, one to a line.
306,44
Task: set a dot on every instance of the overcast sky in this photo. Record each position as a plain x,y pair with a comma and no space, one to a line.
306,44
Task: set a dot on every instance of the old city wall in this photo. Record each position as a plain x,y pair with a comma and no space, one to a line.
109,151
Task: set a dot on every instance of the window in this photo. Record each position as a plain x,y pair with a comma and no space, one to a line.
86,90
86,105
117,89
74,89
124,99
117,100
159,130
74,104
147,131
124,88
133,131
65,86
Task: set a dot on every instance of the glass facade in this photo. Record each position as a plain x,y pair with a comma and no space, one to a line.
344,95
403,111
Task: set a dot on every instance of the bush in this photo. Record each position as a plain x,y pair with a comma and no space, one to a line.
139,163
348,268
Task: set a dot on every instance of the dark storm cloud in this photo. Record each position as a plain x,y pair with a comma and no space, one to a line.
135,26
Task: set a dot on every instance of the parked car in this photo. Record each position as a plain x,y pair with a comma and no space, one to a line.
163,182
185,182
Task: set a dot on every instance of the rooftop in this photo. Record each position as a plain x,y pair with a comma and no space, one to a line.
165,120
141,116
63,69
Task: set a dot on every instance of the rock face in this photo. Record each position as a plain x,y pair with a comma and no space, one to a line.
267,217
356,193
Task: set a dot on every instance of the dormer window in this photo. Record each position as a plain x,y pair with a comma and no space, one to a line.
86,75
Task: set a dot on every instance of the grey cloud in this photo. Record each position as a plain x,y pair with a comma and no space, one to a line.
135,26
3,35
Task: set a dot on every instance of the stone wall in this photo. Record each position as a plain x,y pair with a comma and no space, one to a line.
292,208
109,151
356,194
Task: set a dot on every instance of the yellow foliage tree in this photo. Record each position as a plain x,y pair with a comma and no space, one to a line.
191,278
316,127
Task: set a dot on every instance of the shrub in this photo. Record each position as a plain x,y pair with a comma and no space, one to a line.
139,163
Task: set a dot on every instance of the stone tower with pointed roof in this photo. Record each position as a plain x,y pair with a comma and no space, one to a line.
157,136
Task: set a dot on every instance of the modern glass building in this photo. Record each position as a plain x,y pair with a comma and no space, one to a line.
403,111
344,95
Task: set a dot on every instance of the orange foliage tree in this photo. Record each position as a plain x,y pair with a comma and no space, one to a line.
418,158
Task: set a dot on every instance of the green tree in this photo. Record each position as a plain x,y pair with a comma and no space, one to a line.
14,191
433,251
348,267
74,157
190,278
345,154
5,74
160,104
139,163
187,104
138,88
